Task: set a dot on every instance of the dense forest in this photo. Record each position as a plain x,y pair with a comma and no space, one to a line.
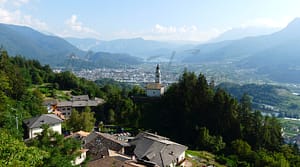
192,112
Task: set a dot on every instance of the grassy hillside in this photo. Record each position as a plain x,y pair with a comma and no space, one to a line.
202,158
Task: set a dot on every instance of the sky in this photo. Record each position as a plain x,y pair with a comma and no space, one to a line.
184,20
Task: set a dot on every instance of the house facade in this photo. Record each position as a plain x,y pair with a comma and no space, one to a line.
81,158
154,90
34,125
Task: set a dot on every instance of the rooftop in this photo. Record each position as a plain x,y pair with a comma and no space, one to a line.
154,86
157,149
80,98
81,103
79,135
110,137
37,122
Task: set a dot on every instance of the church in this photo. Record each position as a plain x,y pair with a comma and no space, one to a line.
155,89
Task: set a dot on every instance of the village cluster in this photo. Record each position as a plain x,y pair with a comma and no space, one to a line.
106,149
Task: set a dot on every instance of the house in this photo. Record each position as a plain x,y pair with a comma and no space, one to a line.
155,150
78,103
155,89
102,144
34,125
81,158
65,107
80,135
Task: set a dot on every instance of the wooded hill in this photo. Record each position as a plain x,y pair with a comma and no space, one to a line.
271,99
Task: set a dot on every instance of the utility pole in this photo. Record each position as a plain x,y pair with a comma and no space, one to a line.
17,122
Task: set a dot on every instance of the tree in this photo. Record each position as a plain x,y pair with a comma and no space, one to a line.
62,151
74,122
225,112
111,116
81,121
243,150
88,120
275,159
136,91
208,142
15,153
271,137
5,86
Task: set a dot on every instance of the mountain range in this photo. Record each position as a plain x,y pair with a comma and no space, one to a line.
84,43
274,55
148,50
243,32
53,50
21,40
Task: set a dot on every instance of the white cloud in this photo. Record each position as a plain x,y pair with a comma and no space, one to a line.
189,33
12,15
77,28
172,29
6,16
17,18
162,29
3,2
19,3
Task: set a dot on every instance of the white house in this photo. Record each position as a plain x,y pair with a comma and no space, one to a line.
155,89
34,125
81,158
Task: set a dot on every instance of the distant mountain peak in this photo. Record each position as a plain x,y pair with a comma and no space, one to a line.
294,25
292,29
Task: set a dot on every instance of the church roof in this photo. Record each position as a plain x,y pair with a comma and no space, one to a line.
154,86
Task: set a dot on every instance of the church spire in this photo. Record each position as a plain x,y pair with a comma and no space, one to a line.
157,75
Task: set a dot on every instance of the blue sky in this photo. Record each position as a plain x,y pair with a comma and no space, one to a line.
197,20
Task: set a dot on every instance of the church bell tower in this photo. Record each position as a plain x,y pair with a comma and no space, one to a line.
157,75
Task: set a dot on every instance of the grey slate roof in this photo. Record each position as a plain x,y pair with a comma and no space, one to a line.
80,98
157,149
37,122
81,103
99,144
64,104
107,136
